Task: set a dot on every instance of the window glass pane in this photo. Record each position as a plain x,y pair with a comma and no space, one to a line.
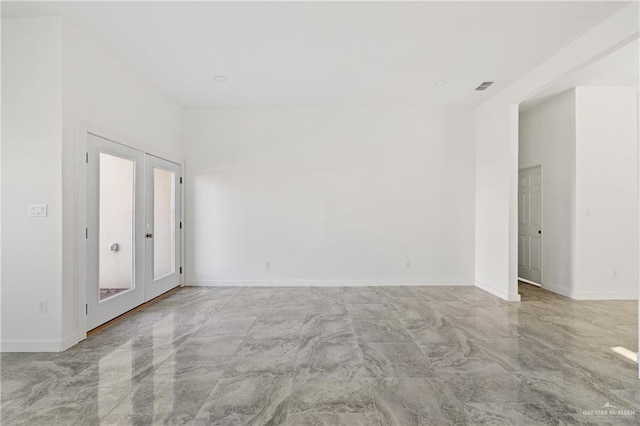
116,225
163,223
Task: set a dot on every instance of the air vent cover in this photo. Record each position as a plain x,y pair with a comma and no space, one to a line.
485,85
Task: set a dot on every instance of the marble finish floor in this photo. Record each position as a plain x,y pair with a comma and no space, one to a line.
339,356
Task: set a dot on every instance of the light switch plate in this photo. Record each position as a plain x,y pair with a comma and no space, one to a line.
37,210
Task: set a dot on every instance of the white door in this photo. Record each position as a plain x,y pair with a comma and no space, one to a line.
115,231
530,225
133,228
162,226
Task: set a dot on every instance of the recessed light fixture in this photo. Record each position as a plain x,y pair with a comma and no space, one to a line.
220,78
440,83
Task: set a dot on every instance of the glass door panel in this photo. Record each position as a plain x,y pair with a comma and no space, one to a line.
117,222
164,220
115,230
133,228
163,224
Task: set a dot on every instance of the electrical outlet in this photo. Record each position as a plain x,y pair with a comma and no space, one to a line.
37,210
407,264
267,265
42,305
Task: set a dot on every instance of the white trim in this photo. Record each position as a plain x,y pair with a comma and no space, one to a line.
42,345
72,340
529,282
183,219
590,295
31,345
327,283
501,294
563,291
602,295
82,222
116,137
638,179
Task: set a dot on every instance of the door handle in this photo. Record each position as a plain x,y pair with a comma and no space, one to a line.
149,235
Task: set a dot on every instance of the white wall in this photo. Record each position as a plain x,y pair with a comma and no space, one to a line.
496,221
31,174
548,138
100,93
497,150
586,141
57,83
340,196
606,193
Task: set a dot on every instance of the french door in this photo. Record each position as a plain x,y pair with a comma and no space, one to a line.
162,234
133,232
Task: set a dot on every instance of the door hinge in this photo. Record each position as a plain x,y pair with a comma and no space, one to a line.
86,233
86,157
180,179
180,225
86,309
181,269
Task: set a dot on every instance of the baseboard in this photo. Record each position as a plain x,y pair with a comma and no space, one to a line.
72,340
30,345
41,345
591,295
529,282
602,295
326,283
562,291
496,292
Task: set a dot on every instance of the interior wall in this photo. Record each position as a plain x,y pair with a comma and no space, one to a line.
103,95
496,221
31,174
606,193
89,86
342,196
497,150
57,82
547,135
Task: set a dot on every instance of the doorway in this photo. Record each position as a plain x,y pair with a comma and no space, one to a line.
133,232
530,225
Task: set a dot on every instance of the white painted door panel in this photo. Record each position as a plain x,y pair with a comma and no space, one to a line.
530,224
134,228
115,231
162,225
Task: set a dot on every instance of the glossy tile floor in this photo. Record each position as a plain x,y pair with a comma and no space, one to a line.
338,356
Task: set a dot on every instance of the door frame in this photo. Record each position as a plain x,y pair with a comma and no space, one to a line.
81,216
540,284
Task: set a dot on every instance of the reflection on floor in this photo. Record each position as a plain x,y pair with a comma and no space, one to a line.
330,356
108,292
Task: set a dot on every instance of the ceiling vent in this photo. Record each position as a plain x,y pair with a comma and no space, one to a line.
485,85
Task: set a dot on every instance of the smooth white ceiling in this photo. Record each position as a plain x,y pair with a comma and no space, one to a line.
620,68
329,54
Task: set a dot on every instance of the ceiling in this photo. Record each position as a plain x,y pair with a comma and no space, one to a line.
619,68
329,54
